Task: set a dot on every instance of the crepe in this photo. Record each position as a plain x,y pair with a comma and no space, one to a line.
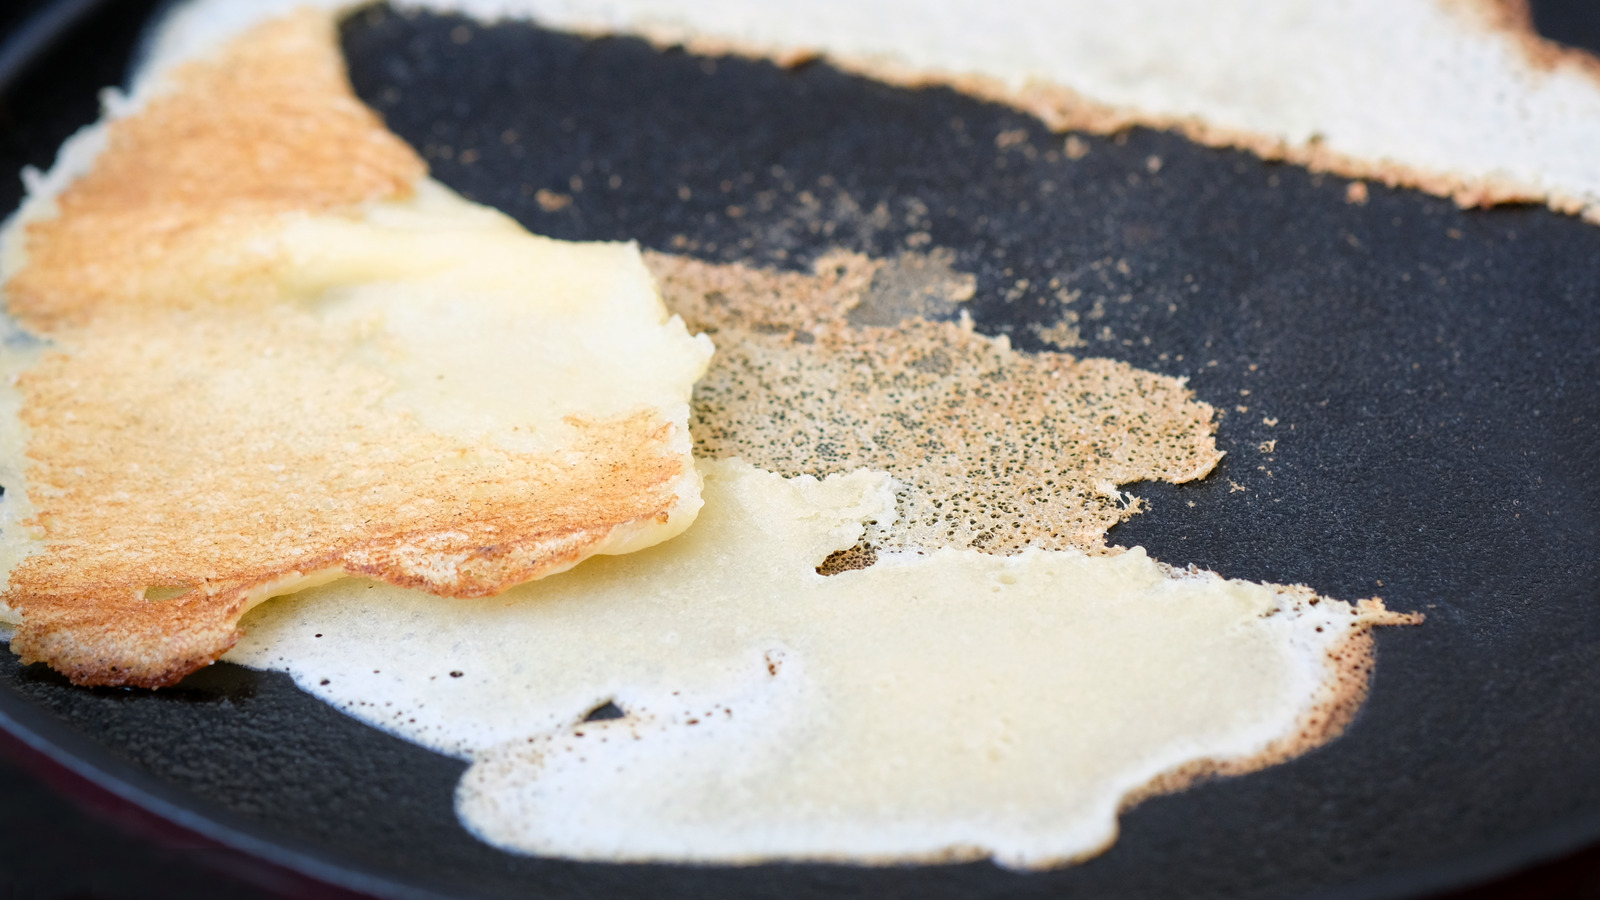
252,348
1459,98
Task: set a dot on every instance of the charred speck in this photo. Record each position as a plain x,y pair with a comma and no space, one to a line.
605,711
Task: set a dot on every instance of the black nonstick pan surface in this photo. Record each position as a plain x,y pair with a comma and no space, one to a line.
1441,369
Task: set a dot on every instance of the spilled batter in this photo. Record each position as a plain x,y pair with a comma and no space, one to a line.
953,705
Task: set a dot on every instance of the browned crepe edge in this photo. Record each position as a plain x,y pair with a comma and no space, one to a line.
267,127
1063,109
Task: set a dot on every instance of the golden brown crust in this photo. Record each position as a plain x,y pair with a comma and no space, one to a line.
262,502
195,445
269,126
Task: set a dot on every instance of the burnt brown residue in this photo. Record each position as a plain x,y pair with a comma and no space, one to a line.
912,286
860,556
997,450
1064,334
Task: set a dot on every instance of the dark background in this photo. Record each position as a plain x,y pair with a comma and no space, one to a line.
88,847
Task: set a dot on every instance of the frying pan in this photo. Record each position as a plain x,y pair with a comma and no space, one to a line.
1440,369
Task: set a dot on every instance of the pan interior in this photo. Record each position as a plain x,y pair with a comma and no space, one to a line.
1438,368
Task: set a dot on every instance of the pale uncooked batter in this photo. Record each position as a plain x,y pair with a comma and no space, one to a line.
953,705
